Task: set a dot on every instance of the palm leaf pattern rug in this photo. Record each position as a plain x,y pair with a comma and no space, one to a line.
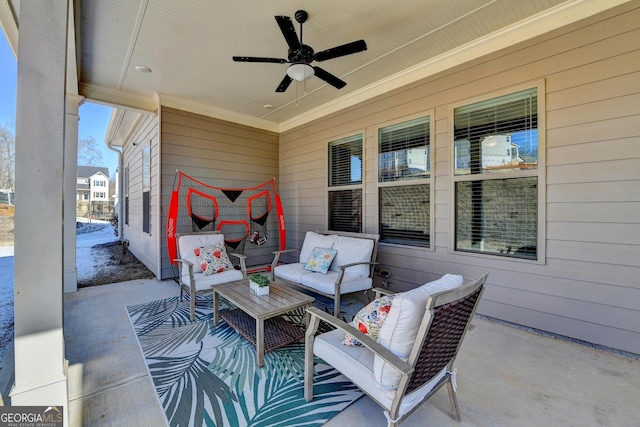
207,375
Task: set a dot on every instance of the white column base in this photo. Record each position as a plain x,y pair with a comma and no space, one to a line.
70,281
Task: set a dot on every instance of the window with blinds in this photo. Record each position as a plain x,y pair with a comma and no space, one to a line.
404,189
126,195
146,189
345,184
495,159
345,161
404,151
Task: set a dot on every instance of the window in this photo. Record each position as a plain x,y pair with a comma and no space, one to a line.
496,176
404,190
345,184
146,188
126,195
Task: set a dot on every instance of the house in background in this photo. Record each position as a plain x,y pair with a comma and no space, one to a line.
92,194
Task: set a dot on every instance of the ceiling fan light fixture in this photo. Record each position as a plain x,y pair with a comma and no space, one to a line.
300,72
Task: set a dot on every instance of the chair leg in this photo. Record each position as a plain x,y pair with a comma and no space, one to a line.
453,400
312,327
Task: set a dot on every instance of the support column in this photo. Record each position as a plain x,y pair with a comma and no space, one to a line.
73,104
40,366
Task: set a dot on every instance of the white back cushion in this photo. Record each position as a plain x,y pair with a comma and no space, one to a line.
315,240
400,328
188,242
350,250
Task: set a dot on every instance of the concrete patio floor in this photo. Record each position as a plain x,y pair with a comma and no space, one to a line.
507,376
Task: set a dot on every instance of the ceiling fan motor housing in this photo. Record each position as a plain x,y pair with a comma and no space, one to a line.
303,55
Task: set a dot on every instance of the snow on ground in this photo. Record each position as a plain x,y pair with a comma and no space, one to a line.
88,234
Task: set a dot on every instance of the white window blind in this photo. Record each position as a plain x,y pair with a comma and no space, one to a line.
497,135
404,150
345,161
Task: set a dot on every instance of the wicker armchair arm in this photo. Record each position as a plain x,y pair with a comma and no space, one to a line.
402,366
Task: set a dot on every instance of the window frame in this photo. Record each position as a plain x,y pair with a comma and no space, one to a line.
539,172
361,186
408,182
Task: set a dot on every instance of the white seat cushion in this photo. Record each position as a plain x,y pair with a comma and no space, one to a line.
356,363
400,328
327,282
205,282
292,272
188,242
350,250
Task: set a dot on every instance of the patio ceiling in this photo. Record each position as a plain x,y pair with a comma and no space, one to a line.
188,46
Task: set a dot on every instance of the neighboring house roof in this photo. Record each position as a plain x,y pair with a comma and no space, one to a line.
89,171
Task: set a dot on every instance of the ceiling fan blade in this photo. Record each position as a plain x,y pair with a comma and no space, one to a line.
284,84
257,59
288,31
329,78
345,49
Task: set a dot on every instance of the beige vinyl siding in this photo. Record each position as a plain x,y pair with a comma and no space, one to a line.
588,285
215,152
143,245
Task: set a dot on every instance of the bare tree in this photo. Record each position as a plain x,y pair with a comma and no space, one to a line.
7,157
88,152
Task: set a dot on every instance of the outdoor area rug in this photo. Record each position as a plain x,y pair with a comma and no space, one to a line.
207,375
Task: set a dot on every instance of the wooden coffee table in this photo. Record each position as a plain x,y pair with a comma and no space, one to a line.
256,315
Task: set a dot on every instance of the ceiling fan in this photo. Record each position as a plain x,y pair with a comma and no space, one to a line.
301,55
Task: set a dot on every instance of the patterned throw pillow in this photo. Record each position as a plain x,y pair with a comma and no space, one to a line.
213,258
320,260
369,319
